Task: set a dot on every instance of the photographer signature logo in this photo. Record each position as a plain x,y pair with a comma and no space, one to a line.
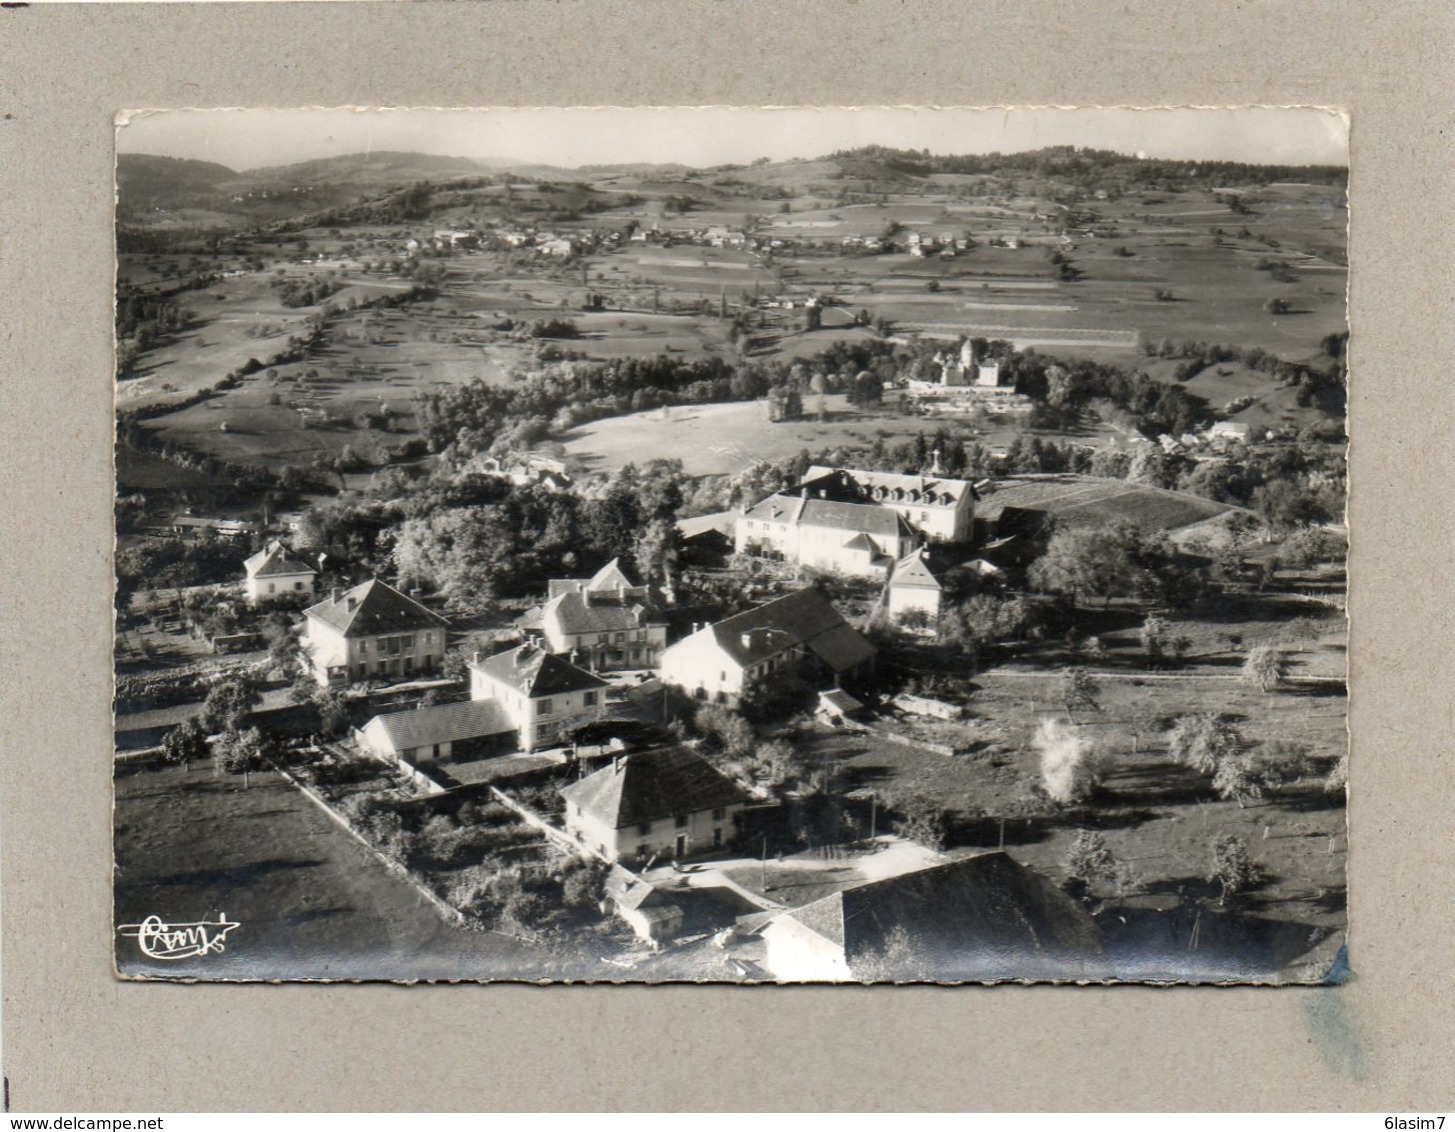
161,940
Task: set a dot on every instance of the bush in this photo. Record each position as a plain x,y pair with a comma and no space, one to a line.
1069,768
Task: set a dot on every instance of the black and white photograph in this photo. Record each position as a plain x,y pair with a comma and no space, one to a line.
731,545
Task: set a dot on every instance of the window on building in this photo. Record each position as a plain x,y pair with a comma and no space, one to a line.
297,585
545,708
363,646
719,813
429,638
620,637
603,638
589,699
645,828
681,821
407,642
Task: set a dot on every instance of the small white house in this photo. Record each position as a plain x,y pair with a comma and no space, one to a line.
276,571
669,802
914,587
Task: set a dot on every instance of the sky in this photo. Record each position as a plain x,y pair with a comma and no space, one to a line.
704,136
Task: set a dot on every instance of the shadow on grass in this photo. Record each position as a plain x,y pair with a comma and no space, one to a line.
235,877
1198,940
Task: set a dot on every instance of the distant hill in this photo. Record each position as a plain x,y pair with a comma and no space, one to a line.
142,174
365,169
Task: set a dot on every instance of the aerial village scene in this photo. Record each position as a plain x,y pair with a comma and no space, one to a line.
744,552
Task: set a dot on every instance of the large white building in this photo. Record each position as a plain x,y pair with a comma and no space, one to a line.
371,632
939,507
860,539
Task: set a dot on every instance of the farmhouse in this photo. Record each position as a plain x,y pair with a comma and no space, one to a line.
940,508
799,635
541,695
274,571
427,734
861,539
976,918
667,802
913,587
605,622
372,630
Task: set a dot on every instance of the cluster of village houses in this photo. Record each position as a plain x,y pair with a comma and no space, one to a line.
669,803
562,243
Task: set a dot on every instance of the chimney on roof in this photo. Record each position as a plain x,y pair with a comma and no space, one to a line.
335,594
803,494
475,657
747,640
616,765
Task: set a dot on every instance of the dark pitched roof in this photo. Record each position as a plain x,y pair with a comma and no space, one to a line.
593,613
919,490
652,785
851,518
442,723
804,618
534,672
373,608
274,560
980,917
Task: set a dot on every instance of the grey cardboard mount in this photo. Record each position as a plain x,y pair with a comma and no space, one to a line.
76,1038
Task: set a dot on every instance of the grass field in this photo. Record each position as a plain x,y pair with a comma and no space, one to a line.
1157,817
1088,501
312,903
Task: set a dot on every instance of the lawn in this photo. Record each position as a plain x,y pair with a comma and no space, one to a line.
312,903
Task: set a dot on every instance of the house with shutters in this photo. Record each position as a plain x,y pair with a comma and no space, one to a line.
669,803
371,632
276,571
603,623
541,696
800,635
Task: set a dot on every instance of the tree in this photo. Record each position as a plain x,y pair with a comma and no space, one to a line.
1091,562
242,752
1233,870
1077,690
186,743
229,703
1069,770
1265,668
1154,634
899,960
1237,779
1090,863
1203,741
922,820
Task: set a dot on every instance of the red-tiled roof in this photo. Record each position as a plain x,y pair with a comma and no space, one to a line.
373,608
